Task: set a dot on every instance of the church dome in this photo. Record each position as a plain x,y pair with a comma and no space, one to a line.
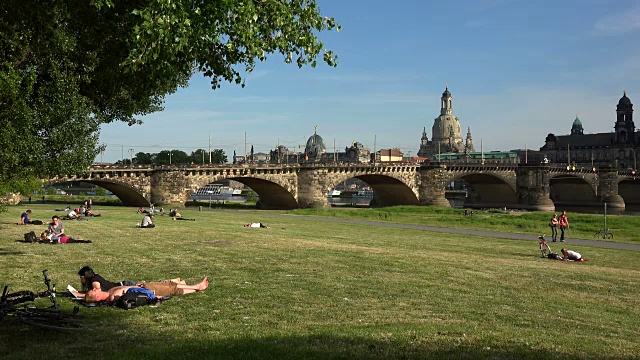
624,100
315,145
577,122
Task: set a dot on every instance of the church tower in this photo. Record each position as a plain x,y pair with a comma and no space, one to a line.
446,133
424,144
468,144
576,128
624,127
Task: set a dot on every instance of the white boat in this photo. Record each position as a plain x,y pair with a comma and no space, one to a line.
334,193
236,192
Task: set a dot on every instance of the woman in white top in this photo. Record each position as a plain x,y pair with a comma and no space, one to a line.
571,255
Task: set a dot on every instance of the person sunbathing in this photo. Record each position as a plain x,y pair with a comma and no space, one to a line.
257,225
160,289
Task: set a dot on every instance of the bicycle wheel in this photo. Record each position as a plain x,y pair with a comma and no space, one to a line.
50,319
609,236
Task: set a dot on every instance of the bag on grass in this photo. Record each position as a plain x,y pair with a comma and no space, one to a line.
31,237
135,297
36,222
554,256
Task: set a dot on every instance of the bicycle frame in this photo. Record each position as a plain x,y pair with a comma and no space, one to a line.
51,318
9,300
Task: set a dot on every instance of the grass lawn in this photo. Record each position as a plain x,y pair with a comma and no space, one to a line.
318,290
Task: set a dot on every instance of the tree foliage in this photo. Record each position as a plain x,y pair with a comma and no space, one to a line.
67,67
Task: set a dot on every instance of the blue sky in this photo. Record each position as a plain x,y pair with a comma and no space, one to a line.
517,70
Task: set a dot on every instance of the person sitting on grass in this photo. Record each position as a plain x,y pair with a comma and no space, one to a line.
24,219
257,225
174,214
73,214
570,255
147,221
56,230
160,289
90,212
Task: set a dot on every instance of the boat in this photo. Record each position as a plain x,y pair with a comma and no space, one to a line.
334,193
236,192
364,194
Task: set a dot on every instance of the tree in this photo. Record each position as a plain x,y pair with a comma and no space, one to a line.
143,158
199,156
218,157
69,66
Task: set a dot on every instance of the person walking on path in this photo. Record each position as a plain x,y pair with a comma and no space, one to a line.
553,224
563,222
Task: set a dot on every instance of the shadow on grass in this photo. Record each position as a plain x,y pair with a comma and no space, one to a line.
125,344
6,251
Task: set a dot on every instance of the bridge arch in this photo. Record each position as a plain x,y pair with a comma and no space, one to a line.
276,189
387,190
487,189
572,189
128,195
629,190
392,186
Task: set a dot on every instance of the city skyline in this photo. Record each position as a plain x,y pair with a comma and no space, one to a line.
516,71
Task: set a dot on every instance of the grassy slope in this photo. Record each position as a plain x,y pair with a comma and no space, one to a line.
301,290
582,226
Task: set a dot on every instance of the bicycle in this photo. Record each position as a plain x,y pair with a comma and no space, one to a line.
604,233
51,318
545,249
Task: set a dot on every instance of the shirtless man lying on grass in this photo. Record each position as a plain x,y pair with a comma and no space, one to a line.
160,289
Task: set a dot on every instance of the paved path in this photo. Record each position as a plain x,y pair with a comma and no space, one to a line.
488,233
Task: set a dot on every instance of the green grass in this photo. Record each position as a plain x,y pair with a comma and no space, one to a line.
311,289
582,226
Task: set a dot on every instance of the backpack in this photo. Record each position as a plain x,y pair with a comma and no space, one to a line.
554,256
135,297
31,237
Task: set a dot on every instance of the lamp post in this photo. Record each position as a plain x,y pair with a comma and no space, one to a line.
169,157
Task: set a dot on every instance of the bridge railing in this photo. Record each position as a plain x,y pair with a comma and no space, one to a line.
120,167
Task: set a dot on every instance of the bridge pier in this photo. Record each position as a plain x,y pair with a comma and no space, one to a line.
532,187
608,188
432,186
168,187
313,185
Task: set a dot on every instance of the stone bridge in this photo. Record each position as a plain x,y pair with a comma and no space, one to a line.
283,186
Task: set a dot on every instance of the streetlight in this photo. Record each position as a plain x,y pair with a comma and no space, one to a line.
169,157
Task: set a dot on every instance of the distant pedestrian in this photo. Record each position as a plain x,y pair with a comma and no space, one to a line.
553,224
563,222
29,199
43,199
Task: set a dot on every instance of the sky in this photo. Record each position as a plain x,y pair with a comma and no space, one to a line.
517,70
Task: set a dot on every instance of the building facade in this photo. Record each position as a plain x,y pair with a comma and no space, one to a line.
446,132
618,148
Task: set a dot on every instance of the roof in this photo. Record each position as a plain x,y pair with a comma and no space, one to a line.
583,140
